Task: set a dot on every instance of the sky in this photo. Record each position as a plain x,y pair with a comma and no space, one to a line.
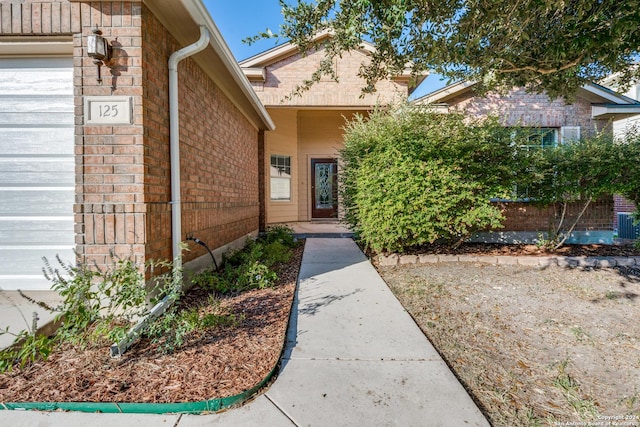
239,19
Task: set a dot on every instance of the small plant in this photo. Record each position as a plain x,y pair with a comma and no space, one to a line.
251,267
28,348
581,335
281,234
101,304
585,408
171,331
81,304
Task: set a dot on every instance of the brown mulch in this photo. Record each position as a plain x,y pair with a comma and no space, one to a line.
216,363
594,250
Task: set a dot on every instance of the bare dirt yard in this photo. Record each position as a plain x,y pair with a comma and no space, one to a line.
532,345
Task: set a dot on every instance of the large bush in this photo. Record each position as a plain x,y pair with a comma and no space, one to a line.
412,177
581,172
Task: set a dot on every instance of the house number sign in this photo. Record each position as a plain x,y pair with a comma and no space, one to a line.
108,110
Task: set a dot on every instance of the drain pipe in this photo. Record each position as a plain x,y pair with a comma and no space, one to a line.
174,143
176,222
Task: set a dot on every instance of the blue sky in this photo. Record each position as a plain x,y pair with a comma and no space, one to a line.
239,19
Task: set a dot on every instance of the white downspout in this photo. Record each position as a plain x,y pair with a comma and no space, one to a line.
174,142
119,348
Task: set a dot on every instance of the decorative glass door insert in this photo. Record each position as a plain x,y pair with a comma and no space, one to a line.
324,189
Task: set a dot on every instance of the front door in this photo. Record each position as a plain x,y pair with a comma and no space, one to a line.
324,188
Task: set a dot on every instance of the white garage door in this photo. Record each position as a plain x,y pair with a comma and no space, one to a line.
36,168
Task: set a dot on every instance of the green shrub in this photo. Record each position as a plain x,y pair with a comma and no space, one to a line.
581,172
251,267
276,252
411,176
407,202
280,233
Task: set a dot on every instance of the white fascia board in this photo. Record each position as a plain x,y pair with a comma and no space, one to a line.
445,92
275,53
608,94
201,16
615,112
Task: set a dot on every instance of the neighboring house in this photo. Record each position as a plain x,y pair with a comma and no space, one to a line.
551,122
86,167
624,220
300,156
633,92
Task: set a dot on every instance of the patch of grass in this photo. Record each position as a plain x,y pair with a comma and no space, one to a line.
581,335
586,409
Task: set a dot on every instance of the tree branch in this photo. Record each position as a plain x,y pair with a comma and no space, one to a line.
538,70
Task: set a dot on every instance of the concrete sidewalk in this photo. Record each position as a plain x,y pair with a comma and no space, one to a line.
353,357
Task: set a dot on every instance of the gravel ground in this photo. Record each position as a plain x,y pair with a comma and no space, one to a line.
534,346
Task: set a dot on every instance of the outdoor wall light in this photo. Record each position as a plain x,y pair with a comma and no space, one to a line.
99,49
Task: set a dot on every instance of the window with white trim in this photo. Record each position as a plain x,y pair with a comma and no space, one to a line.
280,174
570,134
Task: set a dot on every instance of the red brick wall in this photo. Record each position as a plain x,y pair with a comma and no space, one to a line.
110,212
519,108
123,172
522,216
218,154
621,205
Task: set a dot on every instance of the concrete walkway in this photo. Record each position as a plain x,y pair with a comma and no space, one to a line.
354,357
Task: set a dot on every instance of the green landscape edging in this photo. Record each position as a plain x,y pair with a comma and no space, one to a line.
211,405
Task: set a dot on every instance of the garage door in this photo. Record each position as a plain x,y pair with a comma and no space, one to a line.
36,168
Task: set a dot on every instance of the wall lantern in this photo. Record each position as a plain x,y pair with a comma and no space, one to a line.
99,49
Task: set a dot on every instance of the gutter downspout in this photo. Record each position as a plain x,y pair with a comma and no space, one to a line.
118,349
174,142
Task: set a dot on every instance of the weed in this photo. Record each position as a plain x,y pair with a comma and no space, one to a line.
171,331
631,401
27,348
584,408
101,304
531,419
581,335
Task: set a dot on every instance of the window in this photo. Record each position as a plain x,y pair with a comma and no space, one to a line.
280,177
541,137
531,139
570,134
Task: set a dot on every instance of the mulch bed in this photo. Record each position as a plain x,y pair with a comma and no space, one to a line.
216,363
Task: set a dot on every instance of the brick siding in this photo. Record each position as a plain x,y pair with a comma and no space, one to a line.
30,17
111,216
123,172
283,76
621,205
522,216
519,108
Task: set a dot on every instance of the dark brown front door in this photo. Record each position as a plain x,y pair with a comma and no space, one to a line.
324,188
